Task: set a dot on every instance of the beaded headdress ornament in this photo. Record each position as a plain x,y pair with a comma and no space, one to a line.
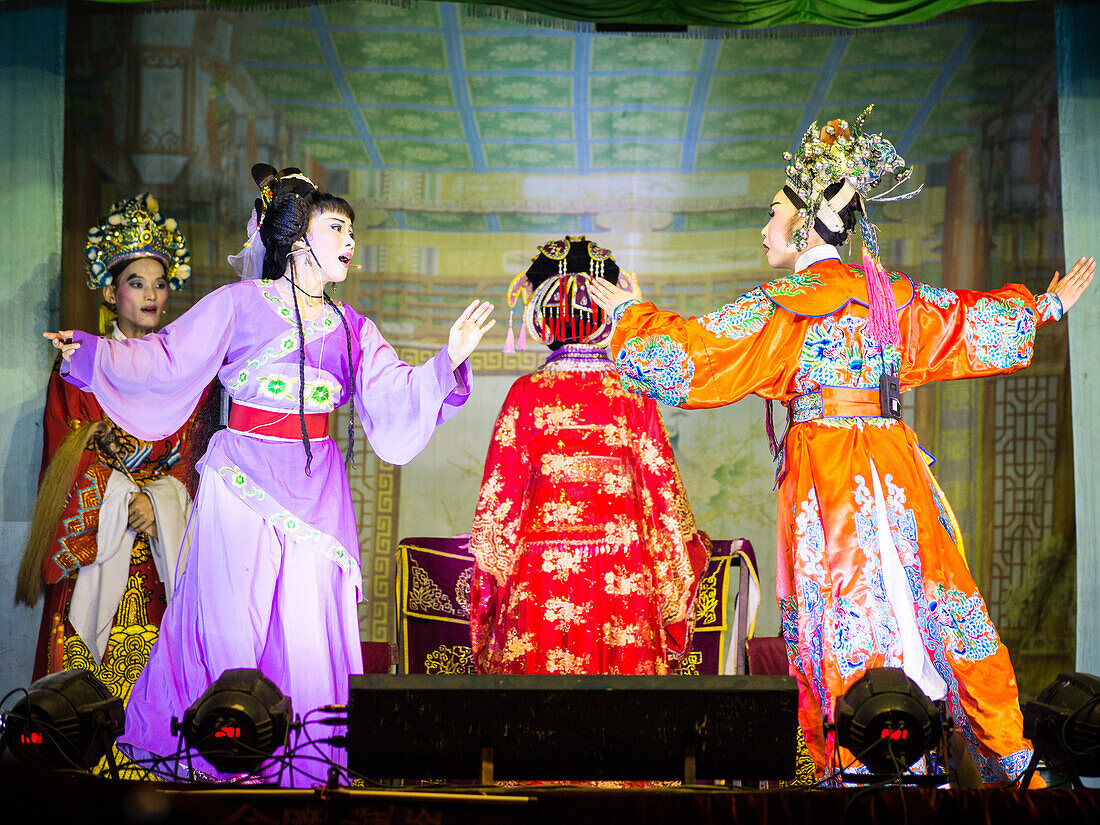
837,153
134,229
560,308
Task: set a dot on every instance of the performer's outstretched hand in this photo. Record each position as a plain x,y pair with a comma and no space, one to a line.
63,341
1069,288
609,297
467,331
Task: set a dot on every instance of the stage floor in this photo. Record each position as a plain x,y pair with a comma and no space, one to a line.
58,797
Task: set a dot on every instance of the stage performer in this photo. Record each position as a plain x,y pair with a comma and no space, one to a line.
112,507
587,556
272,576
871,570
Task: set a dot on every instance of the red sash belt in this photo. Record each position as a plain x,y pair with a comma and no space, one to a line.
271,424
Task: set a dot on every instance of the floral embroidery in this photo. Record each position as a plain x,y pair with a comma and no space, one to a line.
944,520
563,613
839,352
240,481
553,419
284,346
849,637
506,427
794,284
656,366
966,624
518,646
1049,307
1002,333
320,393
788,609
943,298
744,317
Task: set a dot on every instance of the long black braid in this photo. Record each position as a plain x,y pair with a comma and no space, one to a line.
301,370
285,223
349,454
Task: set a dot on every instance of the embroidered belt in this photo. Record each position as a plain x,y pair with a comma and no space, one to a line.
276,424
835,402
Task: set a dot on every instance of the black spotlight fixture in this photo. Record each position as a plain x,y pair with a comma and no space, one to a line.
238,722
887,723
1063,724
66,720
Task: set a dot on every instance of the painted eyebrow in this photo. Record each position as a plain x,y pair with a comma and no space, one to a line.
774,203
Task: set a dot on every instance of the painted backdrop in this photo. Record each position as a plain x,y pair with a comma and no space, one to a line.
465,135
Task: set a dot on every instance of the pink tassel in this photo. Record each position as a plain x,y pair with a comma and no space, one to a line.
883,311
521,344
510,338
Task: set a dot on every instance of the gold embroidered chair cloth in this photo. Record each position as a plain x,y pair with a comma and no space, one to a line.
433,607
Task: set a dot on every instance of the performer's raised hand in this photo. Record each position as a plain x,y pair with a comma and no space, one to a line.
1069,288
467,331
609,296
63,341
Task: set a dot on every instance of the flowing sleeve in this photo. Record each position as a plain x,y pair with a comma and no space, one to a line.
150,386
677,552
400,405
494,538
749,346
951,334
56,415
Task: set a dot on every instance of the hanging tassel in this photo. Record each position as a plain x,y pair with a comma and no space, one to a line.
521,344
510,338
880,300
769,426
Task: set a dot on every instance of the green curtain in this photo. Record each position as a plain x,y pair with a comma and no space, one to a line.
1077,30
746,15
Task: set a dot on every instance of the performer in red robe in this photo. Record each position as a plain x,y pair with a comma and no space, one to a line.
587,555
123,502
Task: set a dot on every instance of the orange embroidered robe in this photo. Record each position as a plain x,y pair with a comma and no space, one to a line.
855,482
587,556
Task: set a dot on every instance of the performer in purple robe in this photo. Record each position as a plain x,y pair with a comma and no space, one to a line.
271,577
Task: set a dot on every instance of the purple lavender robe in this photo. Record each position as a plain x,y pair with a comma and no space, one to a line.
272,576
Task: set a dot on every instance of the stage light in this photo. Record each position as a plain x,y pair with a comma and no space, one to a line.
67,720
886,721
238,722
1063,724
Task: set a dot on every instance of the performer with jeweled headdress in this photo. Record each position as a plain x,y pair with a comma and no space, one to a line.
587,556
871,570
272,575
112,506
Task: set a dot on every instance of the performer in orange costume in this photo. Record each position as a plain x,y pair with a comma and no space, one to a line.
871,570
113,549
587,556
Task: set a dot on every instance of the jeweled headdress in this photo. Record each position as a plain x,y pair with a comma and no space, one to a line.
838,152
860,161
134,229
560,309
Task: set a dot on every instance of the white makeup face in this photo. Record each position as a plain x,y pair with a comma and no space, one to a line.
331,236
139,292
779,249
